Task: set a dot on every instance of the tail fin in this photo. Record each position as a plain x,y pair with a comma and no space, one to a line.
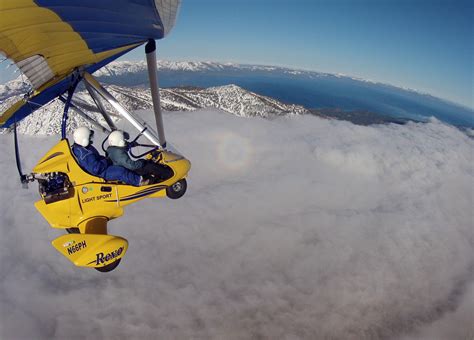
91,250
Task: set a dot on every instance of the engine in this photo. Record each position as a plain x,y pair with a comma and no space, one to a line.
54,187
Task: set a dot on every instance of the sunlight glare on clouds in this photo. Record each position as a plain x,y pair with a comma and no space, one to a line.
233,151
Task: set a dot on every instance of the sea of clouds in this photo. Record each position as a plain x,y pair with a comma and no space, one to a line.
292,228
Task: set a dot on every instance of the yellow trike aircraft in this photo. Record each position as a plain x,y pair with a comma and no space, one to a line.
58,44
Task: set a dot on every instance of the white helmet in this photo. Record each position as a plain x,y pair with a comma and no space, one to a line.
116,138
83,136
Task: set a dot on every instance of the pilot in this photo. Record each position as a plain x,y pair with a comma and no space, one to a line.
118,154
91,161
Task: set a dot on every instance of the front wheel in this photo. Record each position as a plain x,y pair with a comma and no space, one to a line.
177,190
109,267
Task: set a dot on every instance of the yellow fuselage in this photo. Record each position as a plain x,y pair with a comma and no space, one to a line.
90,202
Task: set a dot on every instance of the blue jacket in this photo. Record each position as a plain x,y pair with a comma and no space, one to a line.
91,161
119,156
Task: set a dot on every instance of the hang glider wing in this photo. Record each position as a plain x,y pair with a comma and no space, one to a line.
49,39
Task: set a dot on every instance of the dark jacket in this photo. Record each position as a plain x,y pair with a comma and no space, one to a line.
91,161
119,156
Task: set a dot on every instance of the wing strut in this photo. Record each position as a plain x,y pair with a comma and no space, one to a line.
150,50
67,104
85,115
139,125
100,106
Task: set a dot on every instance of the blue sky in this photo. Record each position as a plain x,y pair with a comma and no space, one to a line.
420,44
425,45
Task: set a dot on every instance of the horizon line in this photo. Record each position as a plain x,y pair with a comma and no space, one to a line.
293,68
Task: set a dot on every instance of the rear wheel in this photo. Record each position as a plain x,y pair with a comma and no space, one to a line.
177,190
109,267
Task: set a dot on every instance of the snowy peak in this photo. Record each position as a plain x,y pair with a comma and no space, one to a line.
14,87
229,98
192,66
118,68
121,68
236,100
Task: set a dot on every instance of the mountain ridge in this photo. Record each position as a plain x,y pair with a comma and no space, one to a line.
123,66
229,98
119,78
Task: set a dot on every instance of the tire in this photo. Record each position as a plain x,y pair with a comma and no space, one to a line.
109,267
177,190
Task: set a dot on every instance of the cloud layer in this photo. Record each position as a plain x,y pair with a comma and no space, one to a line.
293,228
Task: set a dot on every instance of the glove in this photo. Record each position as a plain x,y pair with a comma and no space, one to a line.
131,145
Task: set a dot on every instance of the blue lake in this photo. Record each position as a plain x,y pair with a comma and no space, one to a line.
316,91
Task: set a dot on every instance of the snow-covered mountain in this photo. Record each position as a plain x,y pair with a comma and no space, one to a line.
194,85
118,68
134,68
123,67
230,98
15,87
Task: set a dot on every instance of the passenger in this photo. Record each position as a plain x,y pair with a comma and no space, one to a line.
91,161
118,153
